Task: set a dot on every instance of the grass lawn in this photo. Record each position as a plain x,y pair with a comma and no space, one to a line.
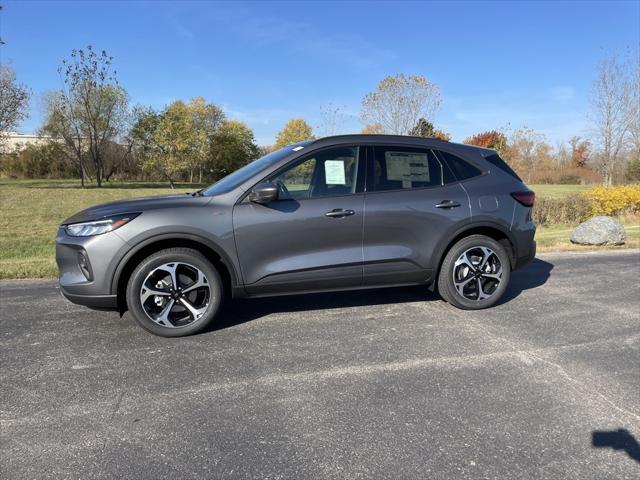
556,237
31,211
558,191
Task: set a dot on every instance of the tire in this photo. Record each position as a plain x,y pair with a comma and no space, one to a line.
166,311
493,278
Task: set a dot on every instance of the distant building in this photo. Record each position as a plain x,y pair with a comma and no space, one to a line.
16,142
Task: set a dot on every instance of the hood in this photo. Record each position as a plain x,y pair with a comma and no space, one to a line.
135,205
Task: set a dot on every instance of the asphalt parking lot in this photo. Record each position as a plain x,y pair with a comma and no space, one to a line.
373,384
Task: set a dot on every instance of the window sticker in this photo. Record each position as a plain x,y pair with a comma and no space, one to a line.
407,167
334,172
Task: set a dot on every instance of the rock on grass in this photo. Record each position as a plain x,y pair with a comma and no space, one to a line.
599,231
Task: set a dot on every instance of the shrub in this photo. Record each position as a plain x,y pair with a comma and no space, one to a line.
570,209
624,199
569,180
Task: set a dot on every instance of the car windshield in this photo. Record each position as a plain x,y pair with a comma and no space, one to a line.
243,174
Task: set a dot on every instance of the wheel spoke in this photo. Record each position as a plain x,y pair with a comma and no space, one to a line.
486,254
463,283
195,312
163,316
465,260
148,292
171,268
201,281
481,294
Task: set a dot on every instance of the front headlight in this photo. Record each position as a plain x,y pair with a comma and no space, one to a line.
98,227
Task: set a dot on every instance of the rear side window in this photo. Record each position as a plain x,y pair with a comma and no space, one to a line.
494,159
404,168
460,168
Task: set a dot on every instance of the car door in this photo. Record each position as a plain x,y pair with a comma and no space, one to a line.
411,202
311,237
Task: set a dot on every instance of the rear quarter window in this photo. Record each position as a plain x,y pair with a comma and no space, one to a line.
462,170
495,160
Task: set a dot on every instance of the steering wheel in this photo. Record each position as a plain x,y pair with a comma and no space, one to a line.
283,189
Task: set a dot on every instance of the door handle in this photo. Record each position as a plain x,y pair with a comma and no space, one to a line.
339,213
447,204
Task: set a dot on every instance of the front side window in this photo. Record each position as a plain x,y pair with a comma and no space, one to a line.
329,172
404,168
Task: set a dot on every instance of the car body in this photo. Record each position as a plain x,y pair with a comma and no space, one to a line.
344,212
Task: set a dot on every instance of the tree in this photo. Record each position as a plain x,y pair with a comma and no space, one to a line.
177,141
90,112
633,111
579,151
373,129
294,131
527,151
232,147
14,100
399,101
491,139
206,118
610,99
332,118
425,129
633,170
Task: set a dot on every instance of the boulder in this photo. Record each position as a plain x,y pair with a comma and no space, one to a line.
599,231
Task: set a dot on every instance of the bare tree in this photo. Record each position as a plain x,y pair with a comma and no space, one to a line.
14,100
90,112
399,102
610,115
332,118
633,111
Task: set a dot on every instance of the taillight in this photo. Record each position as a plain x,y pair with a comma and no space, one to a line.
527,198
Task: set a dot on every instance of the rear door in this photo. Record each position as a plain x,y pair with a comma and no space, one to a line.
411,202
311,237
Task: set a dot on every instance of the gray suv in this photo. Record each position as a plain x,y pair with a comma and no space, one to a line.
338,213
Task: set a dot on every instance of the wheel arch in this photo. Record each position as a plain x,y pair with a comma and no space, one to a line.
496,231
128,263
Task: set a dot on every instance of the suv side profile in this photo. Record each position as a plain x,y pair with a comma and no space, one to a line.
338,213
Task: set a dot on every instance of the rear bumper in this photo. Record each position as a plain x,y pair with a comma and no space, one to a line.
523,260
102,302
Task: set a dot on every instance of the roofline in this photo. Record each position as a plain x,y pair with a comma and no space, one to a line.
381,138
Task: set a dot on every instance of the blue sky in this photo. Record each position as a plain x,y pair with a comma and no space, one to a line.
498,63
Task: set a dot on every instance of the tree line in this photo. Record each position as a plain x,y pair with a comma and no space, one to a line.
95,134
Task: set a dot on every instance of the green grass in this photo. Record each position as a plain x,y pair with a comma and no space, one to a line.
556,237
558,191
31,211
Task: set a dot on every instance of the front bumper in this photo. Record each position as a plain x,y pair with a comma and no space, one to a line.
88,286
100,302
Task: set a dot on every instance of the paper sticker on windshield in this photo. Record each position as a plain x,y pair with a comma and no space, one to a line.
407,167
334,172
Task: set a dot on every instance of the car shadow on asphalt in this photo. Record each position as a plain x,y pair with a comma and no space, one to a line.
240,311
533,275
620,439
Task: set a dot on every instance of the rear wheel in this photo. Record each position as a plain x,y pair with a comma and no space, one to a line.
475,273
174,292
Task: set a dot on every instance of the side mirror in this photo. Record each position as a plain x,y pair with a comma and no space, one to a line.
264,193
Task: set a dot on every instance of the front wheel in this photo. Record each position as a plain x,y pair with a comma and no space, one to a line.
174,292
475,273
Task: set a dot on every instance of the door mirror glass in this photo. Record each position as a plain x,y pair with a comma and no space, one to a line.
264,193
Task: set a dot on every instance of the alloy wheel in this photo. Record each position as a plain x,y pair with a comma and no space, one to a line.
175,294
477,273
